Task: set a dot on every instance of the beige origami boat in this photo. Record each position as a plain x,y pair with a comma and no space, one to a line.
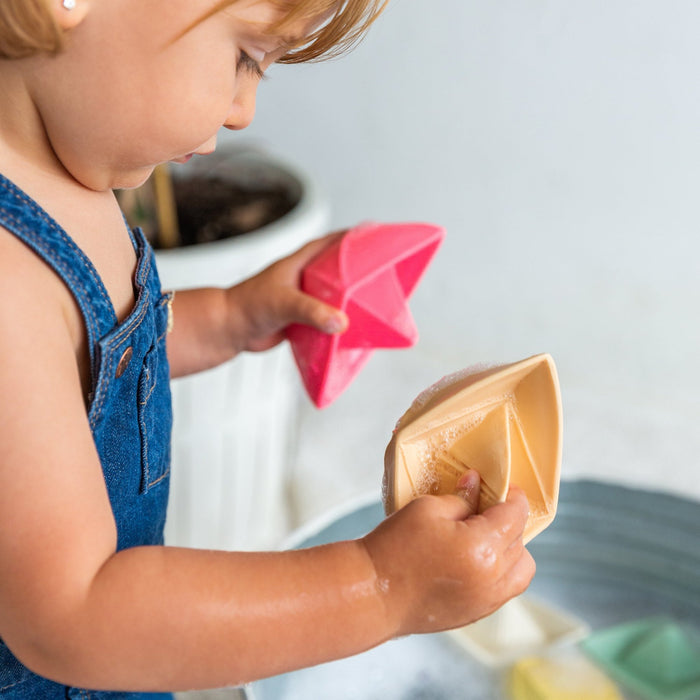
505,422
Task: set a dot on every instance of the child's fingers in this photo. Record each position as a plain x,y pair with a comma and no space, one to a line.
508,519
445,507
518,576
296,306
458,507
305,309
512,553
468,488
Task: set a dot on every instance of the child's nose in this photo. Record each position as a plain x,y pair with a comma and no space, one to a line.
243,108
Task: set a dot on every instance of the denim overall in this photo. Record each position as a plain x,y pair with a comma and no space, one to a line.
129,404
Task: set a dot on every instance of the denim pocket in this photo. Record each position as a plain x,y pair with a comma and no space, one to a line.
154,416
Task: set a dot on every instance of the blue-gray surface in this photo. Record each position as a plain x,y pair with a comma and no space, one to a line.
612,554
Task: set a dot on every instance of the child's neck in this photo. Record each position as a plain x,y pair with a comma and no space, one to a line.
92,219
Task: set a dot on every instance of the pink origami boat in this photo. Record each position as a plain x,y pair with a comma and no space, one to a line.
369,273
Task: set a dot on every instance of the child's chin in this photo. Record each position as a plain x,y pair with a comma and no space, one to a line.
130,181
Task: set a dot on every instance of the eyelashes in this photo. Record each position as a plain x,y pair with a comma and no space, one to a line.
250,66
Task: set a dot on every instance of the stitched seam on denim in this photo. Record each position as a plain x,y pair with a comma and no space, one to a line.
142,423
144,443
103,388
132,325
12,685
165,298
143,275
114,343
147,260
153,386
149,484
73,280
164,301
143,270
144,431
160,478
88,267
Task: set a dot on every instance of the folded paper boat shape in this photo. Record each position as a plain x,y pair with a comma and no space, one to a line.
656,657
505,422
566,675
524,625
369,273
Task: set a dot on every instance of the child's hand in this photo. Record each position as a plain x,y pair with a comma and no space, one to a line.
214,325
442,566
271,300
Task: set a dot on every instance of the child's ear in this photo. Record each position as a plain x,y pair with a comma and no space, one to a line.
70,13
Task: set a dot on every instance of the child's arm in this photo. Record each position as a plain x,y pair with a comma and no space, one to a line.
213,325
166,618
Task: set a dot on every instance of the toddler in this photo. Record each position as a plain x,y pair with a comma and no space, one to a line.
93,95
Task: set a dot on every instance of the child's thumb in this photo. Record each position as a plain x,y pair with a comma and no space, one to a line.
468,488
306,309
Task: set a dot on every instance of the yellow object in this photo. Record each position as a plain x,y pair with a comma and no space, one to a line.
569,677
505,422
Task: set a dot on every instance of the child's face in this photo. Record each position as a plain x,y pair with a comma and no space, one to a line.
132,90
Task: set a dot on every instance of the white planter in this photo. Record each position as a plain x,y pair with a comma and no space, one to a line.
234,434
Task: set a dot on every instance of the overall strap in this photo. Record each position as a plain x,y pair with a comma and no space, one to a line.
24,218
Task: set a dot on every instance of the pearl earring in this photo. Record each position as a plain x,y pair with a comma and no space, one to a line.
69,4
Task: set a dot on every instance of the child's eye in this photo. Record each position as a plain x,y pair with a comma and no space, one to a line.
246,63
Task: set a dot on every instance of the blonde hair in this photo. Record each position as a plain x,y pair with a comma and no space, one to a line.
28,26
347,23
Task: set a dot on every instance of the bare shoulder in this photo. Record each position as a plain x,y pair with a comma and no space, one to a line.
23,270
32,296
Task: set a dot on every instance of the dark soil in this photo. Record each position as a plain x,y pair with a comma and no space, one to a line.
211,209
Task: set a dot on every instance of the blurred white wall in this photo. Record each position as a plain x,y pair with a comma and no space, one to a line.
559,144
